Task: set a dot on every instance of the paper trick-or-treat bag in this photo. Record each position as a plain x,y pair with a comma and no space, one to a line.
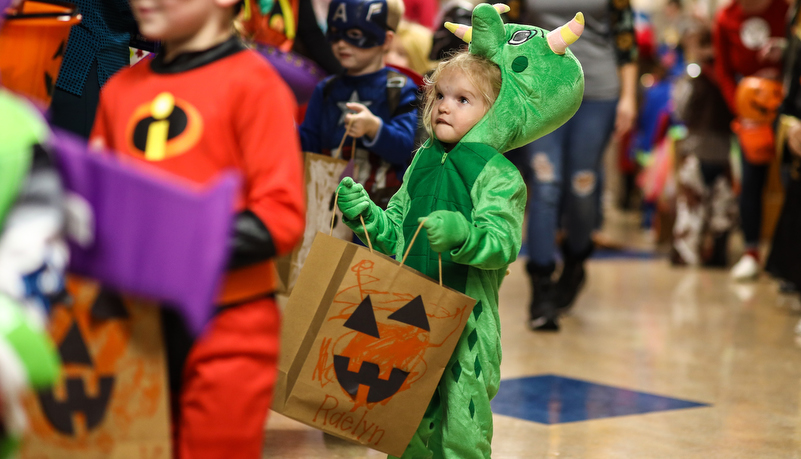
111,400
323,174
365,341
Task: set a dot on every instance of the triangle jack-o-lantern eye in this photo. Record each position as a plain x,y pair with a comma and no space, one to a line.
363,319
414,313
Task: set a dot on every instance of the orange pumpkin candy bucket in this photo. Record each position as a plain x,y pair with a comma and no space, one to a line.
757,100
32,44
756,140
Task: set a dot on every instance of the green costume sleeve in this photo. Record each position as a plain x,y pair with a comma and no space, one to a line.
499,197
384,226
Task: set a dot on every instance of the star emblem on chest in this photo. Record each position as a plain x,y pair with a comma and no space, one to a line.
354,98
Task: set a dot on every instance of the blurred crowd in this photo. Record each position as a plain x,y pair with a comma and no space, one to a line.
698,102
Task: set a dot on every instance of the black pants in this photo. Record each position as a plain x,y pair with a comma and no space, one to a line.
77,113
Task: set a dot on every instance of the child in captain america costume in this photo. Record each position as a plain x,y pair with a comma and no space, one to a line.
200,107
375,104
516,84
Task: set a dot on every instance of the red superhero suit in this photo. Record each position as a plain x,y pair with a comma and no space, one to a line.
200,114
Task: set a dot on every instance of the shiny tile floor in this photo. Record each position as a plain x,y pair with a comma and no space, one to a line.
654,362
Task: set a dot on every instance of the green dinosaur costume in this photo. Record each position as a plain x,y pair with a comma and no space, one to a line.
475,198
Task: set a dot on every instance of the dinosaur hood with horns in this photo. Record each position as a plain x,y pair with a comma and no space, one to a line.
542,81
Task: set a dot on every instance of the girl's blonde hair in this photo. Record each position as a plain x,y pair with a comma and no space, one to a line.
483,74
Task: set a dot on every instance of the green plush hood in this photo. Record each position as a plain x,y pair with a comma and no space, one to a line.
540,89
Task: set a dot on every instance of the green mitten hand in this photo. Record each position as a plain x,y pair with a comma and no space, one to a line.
353,200
446,230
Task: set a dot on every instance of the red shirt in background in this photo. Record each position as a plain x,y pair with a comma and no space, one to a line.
422,12
738,38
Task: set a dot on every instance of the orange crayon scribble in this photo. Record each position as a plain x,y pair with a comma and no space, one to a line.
460,313
323,371
400,346
138,391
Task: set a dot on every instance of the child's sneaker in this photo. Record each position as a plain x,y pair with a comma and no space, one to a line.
745,269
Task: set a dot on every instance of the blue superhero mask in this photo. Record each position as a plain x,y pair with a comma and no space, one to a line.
362,23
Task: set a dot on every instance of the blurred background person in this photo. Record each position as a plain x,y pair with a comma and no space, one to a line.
706,208
411,48
566,164
96,50
748,39
784,261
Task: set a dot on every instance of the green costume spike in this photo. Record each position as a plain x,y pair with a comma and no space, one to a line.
485,198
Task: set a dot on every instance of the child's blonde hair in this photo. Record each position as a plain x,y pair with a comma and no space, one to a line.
482,73
395,10
416,40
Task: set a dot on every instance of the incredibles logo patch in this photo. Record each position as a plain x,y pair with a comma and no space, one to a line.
164,128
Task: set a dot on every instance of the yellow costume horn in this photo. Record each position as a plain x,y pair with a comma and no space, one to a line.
462,31
566,35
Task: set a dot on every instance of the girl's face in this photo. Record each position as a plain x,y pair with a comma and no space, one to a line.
458,105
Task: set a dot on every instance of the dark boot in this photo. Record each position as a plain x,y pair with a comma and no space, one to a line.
573,277
718,256
543,314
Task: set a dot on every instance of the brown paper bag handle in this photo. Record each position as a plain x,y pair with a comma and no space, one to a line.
333,217
409,249
367,236
334,212
370,244
342,142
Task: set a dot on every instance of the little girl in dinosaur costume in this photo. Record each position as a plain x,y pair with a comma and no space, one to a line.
515,84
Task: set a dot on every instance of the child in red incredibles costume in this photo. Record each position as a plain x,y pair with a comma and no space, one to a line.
205,104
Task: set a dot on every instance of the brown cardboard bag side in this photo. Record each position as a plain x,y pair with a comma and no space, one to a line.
322,178
111,398
365,342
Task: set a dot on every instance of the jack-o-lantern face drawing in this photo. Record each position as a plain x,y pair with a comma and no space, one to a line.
758,99
92,334
377,337
363,321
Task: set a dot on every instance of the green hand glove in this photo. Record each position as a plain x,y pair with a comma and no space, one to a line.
353,199
36,352
446,230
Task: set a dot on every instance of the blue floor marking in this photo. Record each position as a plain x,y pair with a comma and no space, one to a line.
552,399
